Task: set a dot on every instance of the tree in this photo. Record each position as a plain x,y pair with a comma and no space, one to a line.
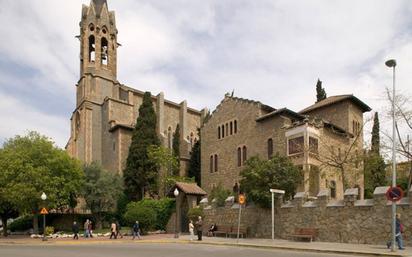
101,191
31,165
375,135
374,172
176,148
140,173
7,211
260,175
320,92
194,163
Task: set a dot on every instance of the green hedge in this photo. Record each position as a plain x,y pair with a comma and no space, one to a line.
23,223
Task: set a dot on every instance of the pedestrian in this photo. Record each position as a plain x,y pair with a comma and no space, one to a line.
398,233
199,228
191,230
136,230
75,229
90,229
118,230
86,228
113,230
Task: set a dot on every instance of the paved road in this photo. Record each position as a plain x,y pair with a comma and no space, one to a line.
147,250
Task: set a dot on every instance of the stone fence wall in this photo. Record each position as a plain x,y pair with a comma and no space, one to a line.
349,220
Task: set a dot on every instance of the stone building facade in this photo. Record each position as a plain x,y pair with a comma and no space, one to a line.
106,110
322,140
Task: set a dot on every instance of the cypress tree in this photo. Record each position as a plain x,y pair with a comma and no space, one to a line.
375,148
176,147
194,164
140,173
320,91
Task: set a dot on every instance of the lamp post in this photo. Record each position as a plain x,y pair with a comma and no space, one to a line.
176,193
274,191
44,197
392,64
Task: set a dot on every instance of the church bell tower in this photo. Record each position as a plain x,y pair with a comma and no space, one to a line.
98,40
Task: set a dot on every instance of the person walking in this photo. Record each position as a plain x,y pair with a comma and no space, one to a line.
90,229
118,230
113,230
191,230
86,228
75,229
199,228
136,230
398,233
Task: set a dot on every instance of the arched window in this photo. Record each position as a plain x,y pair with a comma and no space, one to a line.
216,163
77,124
270,148
227,129
211,163
104,51
333,189
218,132
92,49
235,126
239,157
231,128
223,131
244,154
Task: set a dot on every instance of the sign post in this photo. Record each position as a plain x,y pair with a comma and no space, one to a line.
273,192
242,201
44,212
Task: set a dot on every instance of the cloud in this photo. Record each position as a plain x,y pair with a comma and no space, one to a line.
271,51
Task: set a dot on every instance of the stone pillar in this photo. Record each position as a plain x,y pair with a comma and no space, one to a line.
350,196
379,197
131,99
160,103
323,198
203,114
299,199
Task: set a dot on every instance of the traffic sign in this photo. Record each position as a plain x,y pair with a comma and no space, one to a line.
394,194
44,211
242,198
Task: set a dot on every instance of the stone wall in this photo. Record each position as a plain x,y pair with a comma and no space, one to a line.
348,221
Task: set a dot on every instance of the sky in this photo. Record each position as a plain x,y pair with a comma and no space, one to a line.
198,50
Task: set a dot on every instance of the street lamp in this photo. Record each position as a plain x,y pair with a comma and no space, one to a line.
274,191
176,193
44,197
392,64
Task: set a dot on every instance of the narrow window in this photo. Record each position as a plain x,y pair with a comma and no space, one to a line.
313,145
114,146
231,128
216,163
235,126
239,157
218,132
333,189
270,148
223,131
92,49
227,129
211,164
244,154
104,51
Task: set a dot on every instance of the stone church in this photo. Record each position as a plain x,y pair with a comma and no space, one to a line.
106,110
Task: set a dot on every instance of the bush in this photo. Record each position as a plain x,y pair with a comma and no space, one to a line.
49,231
194,213
220,194
145,215
23,223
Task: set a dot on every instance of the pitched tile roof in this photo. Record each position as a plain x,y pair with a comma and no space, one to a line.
190,188
335,99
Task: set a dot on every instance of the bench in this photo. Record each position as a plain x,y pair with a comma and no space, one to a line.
242,232
222,230
305,233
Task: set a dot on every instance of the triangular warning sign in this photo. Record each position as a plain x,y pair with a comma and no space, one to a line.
44,211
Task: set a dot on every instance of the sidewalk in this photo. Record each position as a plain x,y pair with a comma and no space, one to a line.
324,247
358,249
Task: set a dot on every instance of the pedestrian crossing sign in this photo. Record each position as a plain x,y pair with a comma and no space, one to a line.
44,211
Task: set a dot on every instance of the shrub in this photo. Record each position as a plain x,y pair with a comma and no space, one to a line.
21,224
49,230
194,213
220,194
145,215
